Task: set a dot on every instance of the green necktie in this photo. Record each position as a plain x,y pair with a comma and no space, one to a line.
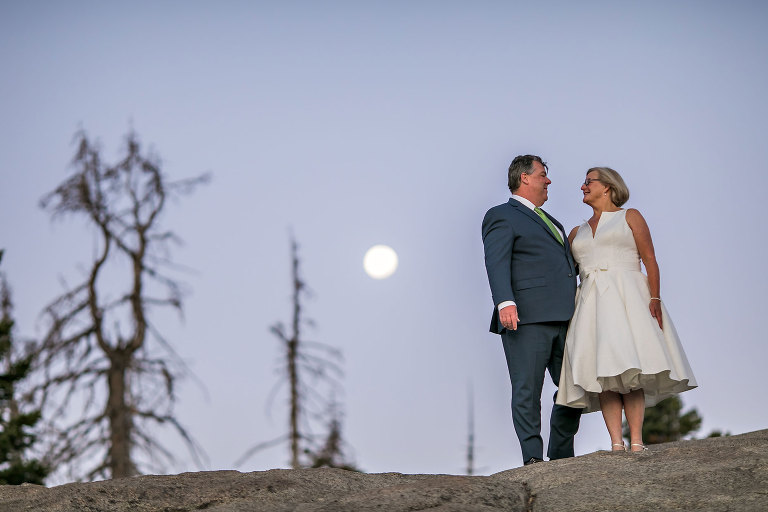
549,224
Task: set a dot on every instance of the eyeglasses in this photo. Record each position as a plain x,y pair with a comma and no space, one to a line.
590,180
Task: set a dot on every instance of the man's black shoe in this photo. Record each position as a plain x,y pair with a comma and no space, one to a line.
532,460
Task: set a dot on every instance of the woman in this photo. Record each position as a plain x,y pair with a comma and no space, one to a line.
621,350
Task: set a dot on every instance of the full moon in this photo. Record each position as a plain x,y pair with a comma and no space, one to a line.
380,261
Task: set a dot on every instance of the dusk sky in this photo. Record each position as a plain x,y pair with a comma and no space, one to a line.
351,124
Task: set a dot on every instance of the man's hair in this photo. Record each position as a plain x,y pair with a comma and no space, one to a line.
614,181
521,164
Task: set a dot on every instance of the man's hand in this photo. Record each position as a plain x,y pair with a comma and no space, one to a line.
508,317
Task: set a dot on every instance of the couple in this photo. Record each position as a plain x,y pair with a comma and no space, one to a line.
620,350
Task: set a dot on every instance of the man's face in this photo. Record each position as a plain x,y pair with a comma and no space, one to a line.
536,184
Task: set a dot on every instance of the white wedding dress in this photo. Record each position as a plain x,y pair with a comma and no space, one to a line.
613,342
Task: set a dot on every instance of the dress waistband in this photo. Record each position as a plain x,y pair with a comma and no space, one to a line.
592,274
605,266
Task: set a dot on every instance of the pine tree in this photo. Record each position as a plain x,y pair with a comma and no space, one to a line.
16,436
665,422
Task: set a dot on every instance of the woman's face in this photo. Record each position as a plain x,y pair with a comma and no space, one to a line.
593,189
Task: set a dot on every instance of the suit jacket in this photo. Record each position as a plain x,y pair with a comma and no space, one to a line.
525,263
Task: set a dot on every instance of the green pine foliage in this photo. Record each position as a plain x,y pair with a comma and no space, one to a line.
16,435
665,422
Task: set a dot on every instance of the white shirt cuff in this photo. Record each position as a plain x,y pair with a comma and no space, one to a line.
506,303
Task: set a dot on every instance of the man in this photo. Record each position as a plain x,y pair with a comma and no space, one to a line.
533,283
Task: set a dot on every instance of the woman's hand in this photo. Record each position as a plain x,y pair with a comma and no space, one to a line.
655,307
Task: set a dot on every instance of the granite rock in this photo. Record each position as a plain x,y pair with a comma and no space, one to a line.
729,473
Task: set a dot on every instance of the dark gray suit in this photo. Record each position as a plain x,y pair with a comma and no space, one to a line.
526,264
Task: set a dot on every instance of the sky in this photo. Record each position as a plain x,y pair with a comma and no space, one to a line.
351,124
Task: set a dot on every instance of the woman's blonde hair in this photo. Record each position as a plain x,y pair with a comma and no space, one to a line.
614,181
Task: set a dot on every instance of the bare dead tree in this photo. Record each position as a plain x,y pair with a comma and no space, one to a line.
102,352
332,452
471,431
292,356
312,372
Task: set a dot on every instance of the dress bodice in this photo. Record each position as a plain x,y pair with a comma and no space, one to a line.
611,248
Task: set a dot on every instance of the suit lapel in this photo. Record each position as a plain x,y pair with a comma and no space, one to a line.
534,216
565,236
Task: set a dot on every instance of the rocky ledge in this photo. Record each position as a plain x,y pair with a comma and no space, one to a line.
728,473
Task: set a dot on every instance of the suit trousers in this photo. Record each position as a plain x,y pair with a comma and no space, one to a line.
530,350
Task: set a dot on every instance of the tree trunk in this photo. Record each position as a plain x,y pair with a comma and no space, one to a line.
293,355
120,420
294,383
